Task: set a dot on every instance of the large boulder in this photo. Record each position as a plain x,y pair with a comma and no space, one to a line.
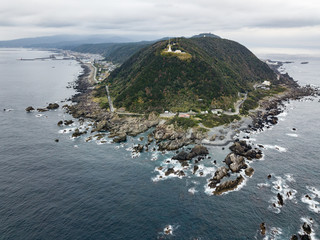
235,162
120,138
199,150
228,185
29,109
249,171
306,228
243,149
181,156
52,106
196,151
169,171
240,147
175,144
218,175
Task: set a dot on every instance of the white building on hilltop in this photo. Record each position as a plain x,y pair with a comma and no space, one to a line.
169,46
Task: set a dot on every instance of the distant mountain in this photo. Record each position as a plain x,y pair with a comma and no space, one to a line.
114,52
62,41
201,35
200,73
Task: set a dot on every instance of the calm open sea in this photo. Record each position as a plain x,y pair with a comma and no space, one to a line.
73,189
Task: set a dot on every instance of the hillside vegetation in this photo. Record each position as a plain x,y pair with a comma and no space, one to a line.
113,52
210,77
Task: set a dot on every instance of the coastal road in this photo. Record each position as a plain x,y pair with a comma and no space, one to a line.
236,106
109,100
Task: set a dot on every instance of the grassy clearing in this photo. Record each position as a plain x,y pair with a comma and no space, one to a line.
184,123
212,120
184,56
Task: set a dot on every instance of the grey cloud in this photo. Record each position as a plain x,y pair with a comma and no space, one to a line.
158,18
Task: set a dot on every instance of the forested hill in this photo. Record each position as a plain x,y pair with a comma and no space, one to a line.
114,52
207,73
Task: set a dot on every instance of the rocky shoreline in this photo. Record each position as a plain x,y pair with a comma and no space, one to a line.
169,137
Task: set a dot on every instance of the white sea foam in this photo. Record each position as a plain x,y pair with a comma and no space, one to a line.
289,177
203,171
314,191
103,141
292,134
155,156
207,190
276,147
311,199
168,231
166,164
195,182
67,130
38,115
262,185
283,114
280,187
313,205
273,234
192,190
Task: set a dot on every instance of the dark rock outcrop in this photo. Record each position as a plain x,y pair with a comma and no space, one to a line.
305,237
77,133
169,171
195,168
138,148
263,228
52,106
294,237
42,109
243,149
218,175
29,109
249,171
228,185
68,122
306,228
198,150
235,162
120,138
181,156
280,199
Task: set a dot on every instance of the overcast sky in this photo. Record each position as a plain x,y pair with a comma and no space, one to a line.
254,23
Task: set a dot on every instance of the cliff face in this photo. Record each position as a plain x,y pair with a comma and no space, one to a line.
199,73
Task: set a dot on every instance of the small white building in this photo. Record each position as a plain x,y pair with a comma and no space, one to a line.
266,83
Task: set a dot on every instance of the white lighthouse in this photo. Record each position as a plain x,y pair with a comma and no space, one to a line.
169,46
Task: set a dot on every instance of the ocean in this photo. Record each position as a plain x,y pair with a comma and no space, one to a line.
74,189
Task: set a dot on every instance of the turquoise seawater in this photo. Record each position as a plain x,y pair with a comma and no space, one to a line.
73,189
